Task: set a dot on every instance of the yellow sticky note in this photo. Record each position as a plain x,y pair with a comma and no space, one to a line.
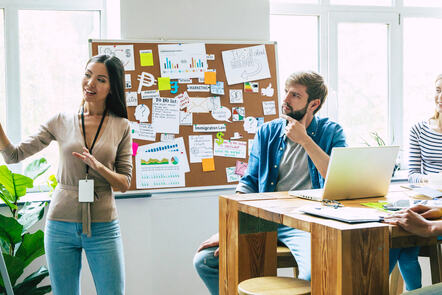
163,83
209,77
208,164
146,58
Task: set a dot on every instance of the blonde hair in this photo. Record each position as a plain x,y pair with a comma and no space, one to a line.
436,113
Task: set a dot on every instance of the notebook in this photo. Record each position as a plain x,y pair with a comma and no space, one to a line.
346,214
354,173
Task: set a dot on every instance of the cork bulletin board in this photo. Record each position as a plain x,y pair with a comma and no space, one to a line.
146,58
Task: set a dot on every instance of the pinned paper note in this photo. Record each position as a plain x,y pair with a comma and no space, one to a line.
231,175
230,149
198,105
131,99
185,118
268,91
210,78
251,87
128,81
268,108
209,127
166,115
142,113
250,124
200,147
185,81
236,135
149,94
213,103
221,114
142,131
125,54
180,61
208,164
184,100
238,113
163,83
146,80
246,64
218,88
134,148
236,96
166,137
240,168
198,88
146,58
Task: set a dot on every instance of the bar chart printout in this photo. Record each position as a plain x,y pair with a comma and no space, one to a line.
182,61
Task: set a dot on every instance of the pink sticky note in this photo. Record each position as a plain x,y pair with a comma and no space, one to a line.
134,148
240,168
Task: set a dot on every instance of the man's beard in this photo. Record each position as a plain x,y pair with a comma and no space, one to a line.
297,115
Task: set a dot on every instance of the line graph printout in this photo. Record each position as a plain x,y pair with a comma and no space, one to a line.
246,64
182,61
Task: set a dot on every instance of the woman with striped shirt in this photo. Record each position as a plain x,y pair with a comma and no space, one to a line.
425,157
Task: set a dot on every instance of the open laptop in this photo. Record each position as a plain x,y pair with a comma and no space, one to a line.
354,173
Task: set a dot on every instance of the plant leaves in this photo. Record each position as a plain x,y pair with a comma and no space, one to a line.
36,168
10,230
52,182
29,284
6,197
30,214
32,247
16,184
15,267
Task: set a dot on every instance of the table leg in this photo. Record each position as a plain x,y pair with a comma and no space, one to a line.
245,251
349,261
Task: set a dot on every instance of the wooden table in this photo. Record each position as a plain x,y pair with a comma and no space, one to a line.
346,259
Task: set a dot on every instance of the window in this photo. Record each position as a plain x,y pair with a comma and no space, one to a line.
297,38
422,64
51,83
423,3
2,73
363,80
362,2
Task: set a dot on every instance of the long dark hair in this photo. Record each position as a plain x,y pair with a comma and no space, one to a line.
116,100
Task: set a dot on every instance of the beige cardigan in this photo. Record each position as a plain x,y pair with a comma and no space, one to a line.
113,149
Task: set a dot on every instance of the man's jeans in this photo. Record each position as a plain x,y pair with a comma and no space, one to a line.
297,241
64,242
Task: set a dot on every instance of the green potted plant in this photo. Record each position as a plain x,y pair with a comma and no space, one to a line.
19,246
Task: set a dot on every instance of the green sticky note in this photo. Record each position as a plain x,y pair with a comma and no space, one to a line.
146,58
163,83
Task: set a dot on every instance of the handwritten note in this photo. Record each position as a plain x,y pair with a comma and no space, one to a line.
166,115
231,149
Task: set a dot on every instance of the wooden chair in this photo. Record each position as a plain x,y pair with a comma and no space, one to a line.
285,259
434,252
274,286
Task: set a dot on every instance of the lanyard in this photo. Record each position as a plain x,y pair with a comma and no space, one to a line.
96,135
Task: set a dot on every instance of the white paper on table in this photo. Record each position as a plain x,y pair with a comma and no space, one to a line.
185,118
246,64
158,169
209,127
235,96
142,131
269,108
131,99
200,147
177,145
182,61
166,115
142,113
149,94
198,88
125,53
231,149
198,105
231,175
128,81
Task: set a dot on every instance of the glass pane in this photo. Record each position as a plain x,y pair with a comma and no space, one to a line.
304,1
423,3
363,81
2,76
53,52
362,2
422,64
297,38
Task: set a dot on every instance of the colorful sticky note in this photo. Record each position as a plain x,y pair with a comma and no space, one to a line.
210,78
146,58
134,148
163,83
208,164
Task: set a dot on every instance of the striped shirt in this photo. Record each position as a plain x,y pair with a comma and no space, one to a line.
425,151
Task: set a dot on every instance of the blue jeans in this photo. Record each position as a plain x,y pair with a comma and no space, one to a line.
64,243
207,265
408,265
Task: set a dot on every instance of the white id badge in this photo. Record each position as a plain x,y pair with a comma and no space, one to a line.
86,190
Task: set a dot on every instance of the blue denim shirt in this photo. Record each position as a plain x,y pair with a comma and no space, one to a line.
269,145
